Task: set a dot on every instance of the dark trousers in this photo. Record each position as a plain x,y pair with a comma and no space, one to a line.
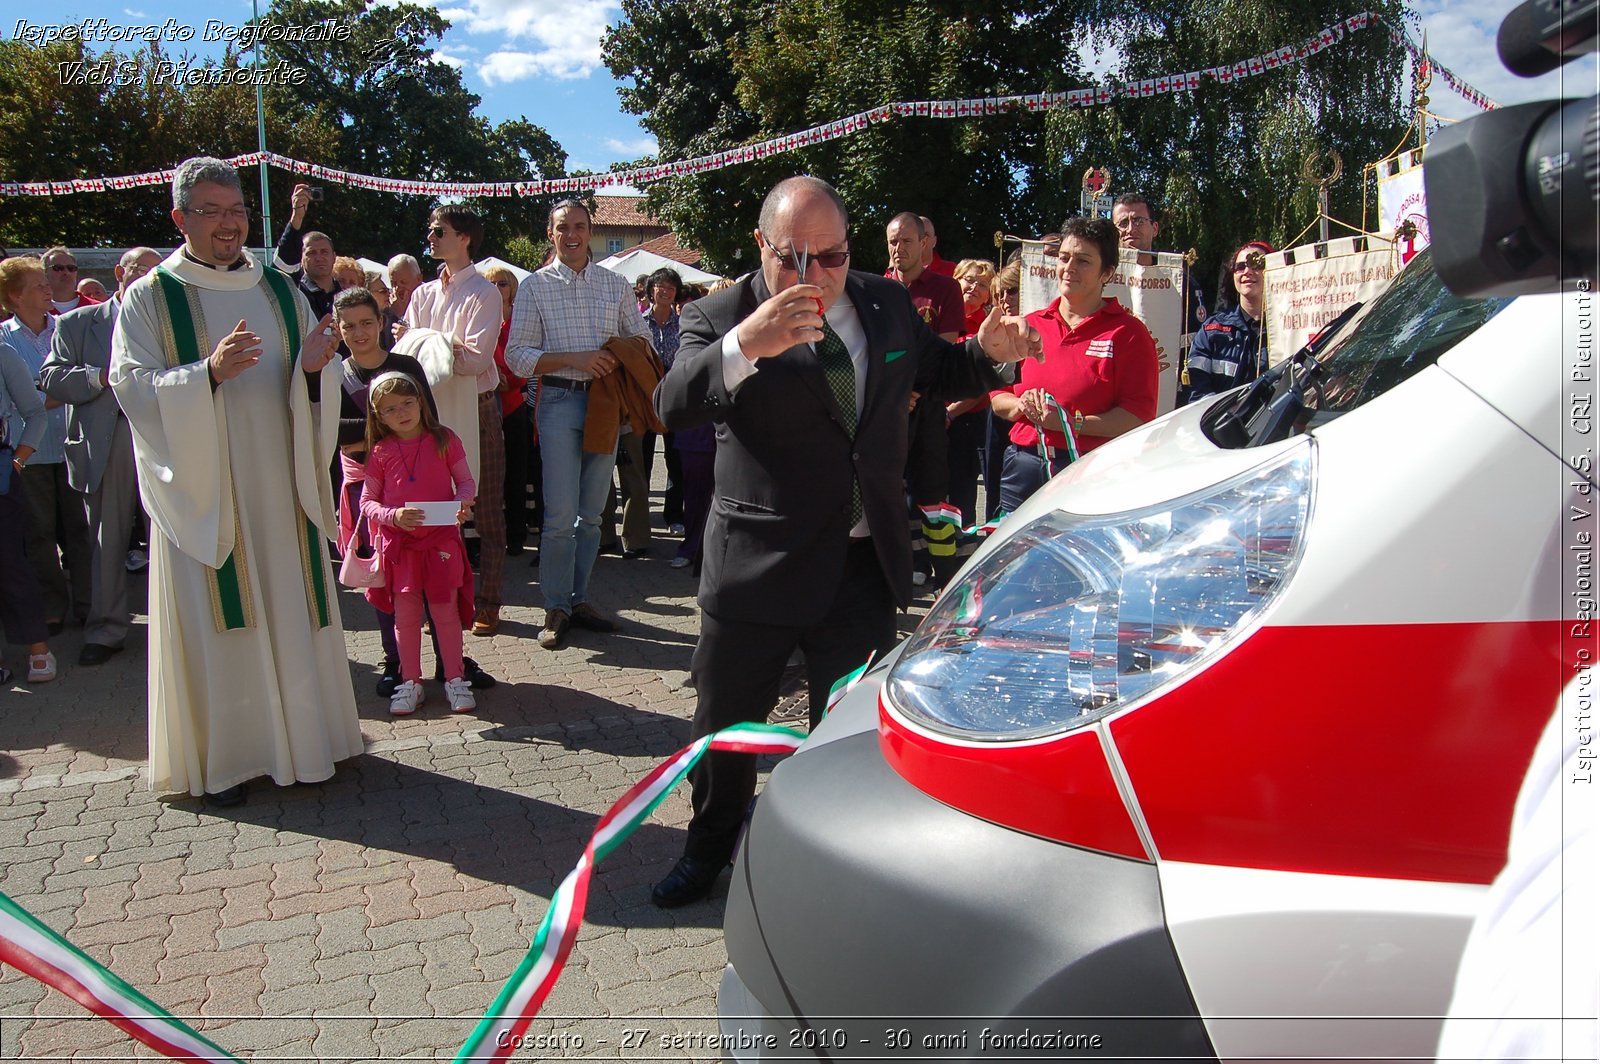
698,472
737,668
1025,473
672,503
968,437
517,428
57,517
21,608
994,463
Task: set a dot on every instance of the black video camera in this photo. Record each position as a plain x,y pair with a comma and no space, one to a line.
1513,193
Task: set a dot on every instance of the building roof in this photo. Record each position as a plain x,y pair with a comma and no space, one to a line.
627,211
667,247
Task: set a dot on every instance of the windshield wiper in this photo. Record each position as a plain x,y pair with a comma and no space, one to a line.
1271,415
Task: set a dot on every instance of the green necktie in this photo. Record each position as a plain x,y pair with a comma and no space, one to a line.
841,376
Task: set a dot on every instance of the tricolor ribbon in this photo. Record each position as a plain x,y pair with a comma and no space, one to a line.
846,683
35,949
941,513
523,995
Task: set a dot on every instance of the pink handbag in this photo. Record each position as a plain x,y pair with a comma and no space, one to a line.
356,571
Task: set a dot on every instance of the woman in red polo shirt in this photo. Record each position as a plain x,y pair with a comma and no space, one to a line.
1099,366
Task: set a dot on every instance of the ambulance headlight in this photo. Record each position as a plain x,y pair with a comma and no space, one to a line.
1073,617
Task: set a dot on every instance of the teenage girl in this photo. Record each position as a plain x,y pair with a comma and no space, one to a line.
412,458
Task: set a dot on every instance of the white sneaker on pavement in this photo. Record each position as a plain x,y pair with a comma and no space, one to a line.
459,692
406,698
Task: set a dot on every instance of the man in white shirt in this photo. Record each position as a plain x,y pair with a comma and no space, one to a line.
563,315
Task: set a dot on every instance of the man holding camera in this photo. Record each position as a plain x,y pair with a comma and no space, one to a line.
308,257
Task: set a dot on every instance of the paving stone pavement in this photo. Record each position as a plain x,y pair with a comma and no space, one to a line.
376,915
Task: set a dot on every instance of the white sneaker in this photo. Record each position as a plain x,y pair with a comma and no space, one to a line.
459,692
680,562
918,579
41,667
406,698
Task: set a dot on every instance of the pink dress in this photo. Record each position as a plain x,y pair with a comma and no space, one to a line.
431,560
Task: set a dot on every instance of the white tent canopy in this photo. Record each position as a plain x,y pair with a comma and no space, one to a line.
631,264
489,260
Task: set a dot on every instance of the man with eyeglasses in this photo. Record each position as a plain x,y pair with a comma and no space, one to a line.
308,257
223,373
61,270
563,316
807,368
99,452
1137,227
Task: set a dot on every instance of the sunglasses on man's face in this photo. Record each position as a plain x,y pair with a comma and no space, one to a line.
436,231
828,260
1254,261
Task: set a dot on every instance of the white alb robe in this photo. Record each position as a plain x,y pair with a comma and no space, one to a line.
235,471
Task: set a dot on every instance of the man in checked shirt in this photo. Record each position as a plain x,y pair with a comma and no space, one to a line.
562,315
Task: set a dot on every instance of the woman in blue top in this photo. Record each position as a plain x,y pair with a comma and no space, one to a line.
1231,347
22,429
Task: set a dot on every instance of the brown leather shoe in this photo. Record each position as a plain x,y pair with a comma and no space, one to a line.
586,616
554,633
487,621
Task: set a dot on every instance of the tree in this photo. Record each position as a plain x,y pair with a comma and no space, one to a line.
1229,162
368,99
1225,160
762,69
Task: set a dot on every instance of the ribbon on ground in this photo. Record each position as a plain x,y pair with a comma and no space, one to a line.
520,999
1092,96
35,949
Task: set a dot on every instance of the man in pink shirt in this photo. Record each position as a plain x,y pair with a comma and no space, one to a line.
465,305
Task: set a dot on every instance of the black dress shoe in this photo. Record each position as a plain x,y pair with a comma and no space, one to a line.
390,679
97,654
636,552
227,797
690,880
471,671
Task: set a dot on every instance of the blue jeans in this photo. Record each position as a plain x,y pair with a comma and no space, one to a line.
575,486
1024,473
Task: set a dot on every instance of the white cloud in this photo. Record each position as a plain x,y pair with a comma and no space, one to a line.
448,60
633,148
562,36
1462,39
131,13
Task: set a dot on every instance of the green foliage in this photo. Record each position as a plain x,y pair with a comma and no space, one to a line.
375,103
1225,162
525,252
707,77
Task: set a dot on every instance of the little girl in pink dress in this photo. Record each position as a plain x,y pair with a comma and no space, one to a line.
411,458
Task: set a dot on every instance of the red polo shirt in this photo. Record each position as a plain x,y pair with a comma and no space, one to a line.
1109,360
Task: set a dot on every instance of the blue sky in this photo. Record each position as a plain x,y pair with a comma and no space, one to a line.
541,58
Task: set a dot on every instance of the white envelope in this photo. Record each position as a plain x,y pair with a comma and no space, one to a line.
437,513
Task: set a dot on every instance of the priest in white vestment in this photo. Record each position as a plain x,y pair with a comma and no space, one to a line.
221,370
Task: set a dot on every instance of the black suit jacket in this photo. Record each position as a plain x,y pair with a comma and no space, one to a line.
776,538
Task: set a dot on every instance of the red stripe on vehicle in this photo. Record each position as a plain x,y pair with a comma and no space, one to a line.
1061,790
1375,750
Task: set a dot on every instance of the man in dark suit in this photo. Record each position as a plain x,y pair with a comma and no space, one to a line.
99,452
807,370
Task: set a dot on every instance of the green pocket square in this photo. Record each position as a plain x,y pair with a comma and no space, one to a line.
890,356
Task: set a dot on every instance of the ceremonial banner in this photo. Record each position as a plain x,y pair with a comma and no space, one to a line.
1401,199
1154,293
1309,286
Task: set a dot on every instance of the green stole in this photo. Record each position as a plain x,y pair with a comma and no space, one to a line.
232,605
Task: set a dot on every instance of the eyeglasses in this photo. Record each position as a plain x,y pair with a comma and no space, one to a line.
437,231
1132,222
211,214
787,261
64,267
1253,261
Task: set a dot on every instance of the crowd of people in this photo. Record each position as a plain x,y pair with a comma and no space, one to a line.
811,466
